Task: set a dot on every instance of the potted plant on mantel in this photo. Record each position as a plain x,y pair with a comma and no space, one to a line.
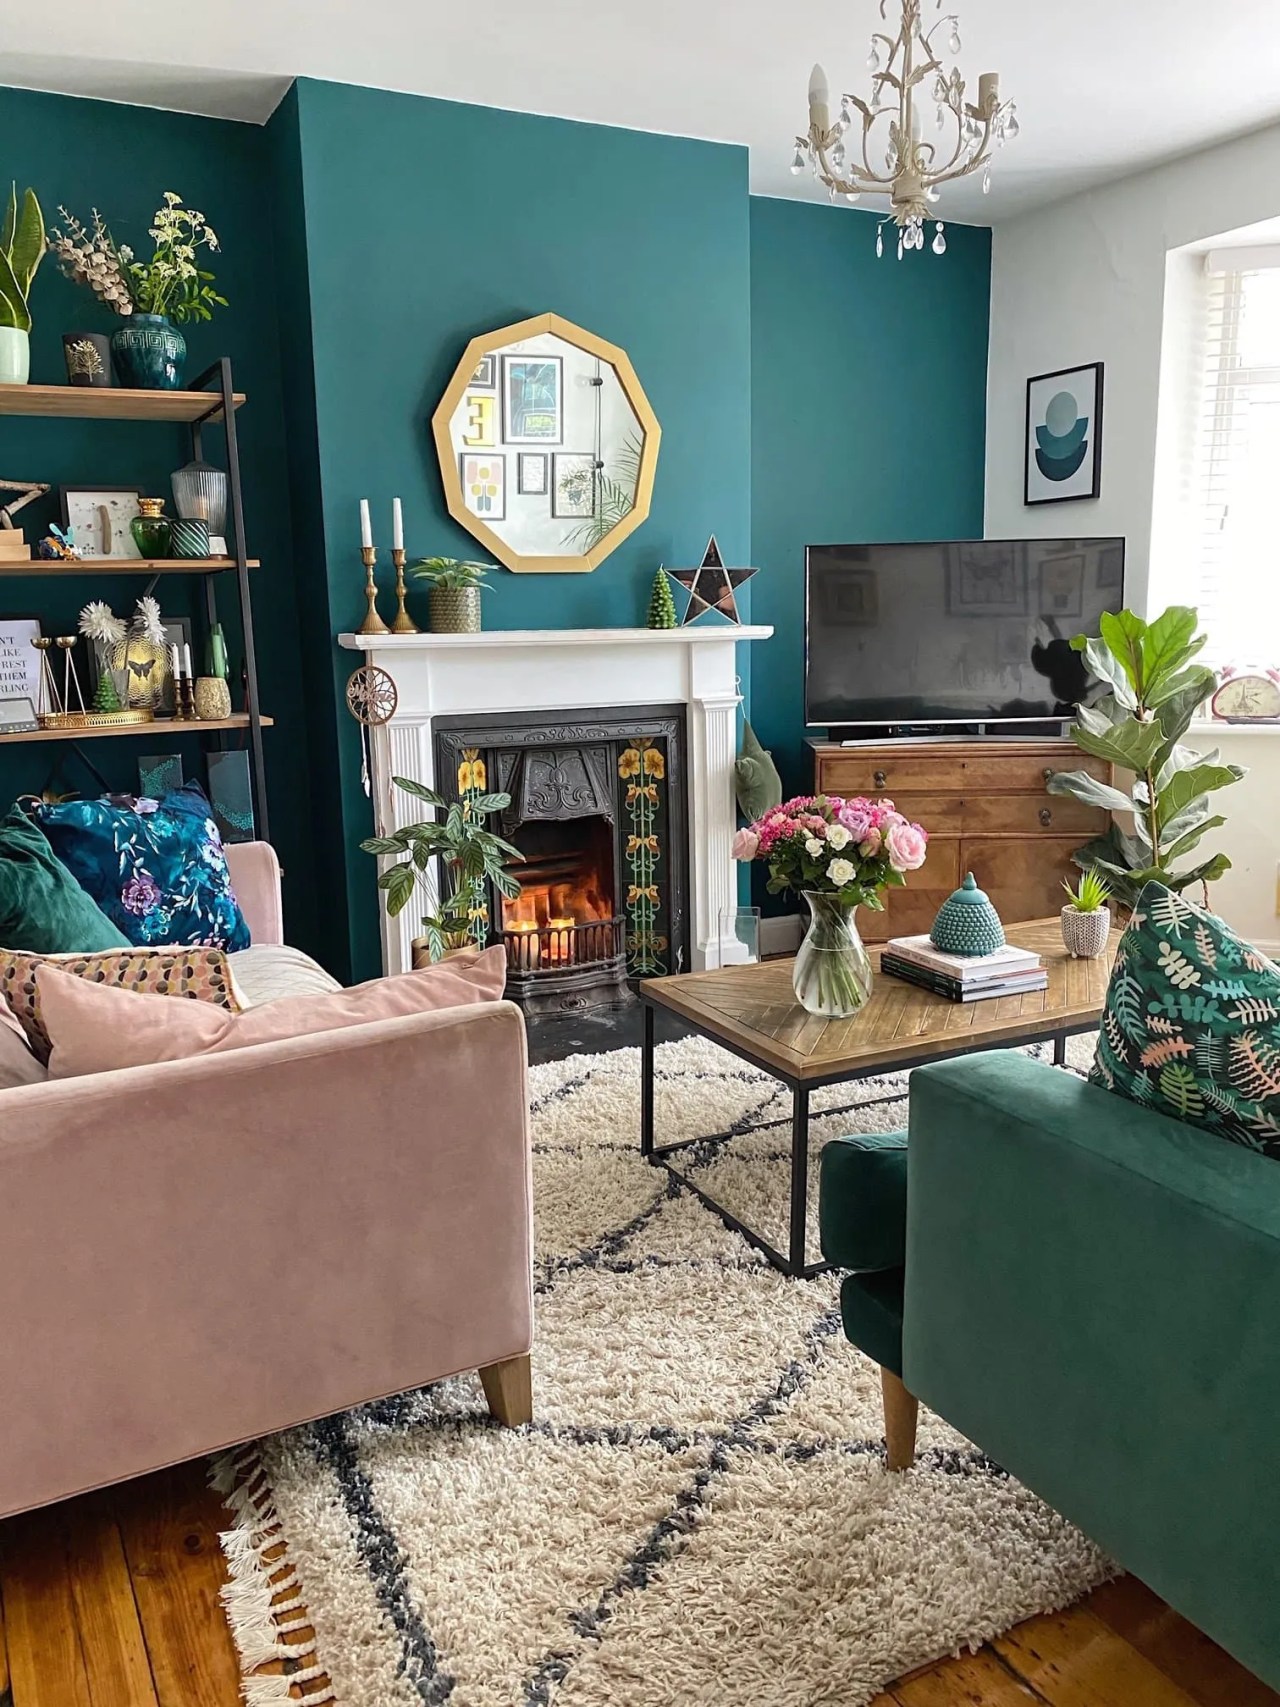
148,350
454,601
470,855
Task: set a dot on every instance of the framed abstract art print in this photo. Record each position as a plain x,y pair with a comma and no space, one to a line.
1063,449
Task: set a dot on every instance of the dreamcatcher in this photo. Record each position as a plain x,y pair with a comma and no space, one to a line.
371,699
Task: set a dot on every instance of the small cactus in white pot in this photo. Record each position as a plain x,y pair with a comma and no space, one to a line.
1086,918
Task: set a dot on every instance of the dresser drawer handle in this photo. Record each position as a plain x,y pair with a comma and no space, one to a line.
1046,816
879,779
1047,773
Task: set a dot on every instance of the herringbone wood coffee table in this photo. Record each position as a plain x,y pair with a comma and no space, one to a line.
752,1011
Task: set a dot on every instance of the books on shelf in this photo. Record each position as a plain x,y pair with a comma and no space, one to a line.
1009,971
13,546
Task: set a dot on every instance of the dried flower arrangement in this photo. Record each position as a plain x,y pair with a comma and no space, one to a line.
171,283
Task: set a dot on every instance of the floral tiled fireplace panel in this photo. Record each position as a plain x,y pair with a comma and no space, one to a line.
598,812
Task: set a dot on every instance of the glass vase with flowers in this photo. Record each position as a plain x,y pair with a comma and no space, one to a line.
840,855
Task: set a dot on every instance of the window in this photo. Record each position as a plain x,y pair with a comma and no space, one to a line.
1234,490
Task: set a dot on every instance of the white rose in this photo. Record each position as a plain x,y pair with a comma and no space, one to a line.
813,847
840,871
838,837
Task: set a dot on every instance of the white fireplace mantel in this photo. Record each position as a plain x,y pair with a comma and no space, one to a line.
563,669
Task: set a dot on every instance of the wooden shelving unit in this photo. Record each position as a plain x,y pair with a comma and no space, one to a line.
113,403
212,399
157,726
38,566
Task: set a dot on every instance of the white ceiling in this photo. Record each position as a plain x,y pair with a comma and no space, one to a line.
1103,86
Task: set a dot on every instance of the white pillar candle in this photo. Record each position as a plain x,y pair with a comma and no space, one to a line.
186,659
397,526
366,526
176,662
819,100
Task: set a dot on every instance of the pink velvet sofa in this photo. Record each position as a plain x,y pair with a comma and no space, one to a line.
199,1253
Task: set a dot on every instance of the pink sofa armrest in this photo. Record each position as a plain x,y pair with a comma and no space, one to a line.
255,877
205,1251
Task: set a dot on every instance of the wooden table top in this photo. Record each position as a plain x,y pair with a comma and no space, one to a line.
753,1010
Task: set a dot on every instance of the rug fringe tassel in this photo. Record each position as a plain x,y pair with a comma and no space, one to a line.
263,1588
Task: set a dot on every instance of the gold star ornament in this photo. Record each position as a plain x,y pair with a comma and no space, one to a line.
711,586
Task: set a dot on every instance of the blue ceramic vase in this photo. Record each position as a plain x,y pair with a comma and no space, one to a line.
149,353
967,923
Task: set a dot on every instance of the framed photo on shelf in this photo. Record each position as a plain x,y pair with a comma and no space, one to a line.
19,659
532,479
484,484
532,407
573,484
100,516
1063,449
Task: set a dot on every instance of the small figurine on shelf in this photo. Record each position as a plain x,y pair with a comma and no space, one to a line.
59,545
105,697
662,607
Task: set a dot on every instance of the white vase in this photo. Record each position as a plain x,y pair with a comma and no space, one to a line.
1085,934
15,356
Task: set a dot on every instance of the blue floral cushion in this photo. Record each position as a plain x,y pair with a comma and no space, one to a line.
156,868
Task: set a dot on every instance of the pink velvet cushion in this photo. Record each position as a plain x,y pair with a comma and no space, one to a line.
94,1029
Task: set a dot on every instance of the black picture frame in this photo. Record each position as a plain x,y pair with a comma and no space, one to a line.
538,456
558,512
511,434
65,495
485,377
177,632
1095,481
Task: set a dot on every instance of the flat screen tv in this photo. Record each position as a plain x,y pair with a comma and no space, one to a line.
962,632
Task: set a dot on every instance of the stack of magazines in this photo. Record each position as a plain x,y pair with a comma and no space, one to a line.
964,977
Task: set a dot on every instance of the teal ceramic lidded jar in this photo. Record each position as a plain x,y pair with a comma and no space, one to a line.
967,923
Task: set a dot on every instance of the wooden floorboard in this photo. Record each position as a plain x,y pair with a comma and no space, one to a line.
112,1601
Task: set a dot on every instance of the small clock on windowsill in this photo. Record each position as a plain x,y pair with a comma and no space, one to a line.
1248,696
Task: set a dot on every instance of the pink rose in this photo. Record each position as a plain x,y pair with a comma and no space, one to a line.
746,844
857,818
869,846
906,846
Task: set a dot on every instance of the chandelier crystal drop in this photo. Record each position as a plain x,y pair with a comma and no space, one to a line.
972,130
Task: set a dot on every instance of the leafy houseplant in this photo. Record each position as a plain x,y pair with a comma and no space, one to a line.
151,295
1086,918
454,600
840,855
1138,726
22,247
468,852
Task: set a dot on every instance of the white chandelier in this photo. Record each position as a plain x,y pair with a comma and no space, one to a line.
969,132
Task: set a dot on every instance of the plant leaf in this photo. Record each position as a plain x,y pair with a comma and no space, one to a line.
10,220
1104,664
1169,851
419,790
1176,716
383,845
13,303
1179,758
489,803
1199,679
1183,787
1209,872
1081,786
398,884
1123,634
1168,644
28,244
1129,743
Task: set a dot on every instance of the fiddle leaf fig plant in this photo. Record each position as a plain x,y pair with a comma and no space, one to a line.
22,248
469,853
1138,726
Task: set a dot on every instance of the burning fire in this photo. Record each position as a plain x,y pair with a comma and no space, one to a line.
547,913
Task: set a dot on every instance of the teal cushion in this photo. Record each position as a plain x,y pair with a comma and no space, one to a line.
862,1203
1191,1026
756,780
43,910
871,1309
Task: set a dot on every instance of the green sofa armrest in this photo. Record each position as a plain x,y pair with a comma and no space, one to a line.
1092,1295
862,1200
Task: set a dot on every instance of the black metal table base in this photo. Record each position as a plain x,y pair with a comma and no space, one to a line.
794,1263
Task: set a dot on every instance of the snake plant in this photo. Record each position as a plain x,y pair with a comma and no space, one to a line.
22,247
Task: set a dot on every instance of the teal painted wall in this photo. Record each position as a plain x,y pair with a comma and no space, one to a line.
643,239
868,416
121,159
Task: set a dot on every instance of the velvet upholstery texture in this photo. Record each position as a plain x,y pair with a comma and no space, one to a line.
862,1202
1091,1295
95,1029
155,867
43,910
207,1251
871,1311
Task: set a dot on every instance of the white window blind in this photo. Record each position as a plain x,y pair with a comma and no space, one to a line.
1235,478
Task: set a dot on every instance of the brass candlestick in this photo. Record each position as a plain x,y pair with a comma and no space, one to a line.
403,623
373,623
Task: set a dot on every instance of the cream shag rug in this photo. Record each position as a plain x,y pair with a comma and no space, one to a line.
700,1512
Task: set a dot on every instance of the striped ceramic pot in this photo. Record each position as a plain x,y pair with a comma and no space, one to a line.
1085,934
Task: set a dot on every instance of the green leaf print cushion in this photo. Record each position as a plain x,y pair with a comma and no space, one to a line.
1191,1026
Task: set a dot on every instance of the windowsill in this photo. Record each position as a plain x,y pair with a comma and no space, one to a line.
1218,729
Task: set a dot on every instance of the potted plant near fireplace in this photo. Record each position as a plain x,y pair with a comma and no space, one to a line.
470,855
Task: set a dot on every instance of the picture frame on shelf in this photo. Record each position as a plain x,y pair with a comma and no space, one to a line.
159,774
17,715
532,478
532,400
231,795
1062,453
100,516
573,484
19,659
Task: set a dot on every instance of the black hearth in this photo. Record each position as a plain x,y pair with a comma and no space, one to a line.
598,812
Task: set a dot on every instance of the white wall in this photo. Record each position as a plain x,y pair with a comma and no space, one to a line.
1084,280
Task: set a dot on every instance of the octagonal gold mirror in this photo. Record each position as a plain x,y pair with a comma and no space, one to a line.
547,446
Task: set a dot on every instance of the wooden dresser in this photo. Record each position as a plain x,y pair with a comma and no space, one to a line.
986,808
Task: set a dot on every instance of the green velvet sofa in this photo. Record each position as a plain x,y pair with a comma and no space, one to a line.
1091,1292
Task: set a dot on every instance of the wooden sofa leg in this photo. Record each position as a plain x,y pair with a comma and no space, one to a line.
508,1387
901,1410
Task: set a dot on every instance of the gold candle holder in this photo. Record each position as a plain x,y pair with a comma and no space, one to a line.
373,623
403,622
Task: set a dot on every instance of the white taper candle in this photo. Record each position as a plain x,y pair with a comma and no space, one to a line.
397,526
366,526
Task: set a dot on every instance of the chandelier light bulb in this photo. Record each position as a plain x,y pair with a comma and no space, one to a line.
819,99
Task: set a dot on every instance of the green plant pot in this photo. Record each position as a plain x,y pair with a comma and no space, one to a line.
149,353
454,610
15,356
